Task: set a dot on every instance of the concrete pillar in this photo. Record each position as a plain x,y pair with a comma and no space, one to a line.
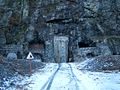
61,49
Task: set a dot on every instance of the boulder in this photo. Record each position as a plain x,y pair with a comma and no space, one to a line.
11,56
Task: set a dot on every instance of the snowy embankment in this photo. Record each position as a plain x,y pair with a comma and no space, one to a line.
37,80
104,81
69,77
99,80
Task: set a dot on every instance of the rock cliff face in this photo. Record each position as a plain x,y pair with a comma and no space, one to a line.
34,23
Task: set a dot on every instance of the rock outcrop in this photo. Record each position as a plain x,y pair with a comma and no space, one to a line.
24,21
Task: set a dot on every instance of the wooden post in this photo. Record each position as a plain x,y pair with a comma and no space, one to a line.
30,58
30,66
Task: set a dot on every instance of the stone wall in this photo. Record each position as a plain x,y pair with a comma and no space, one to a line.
18,49
81,20
85,53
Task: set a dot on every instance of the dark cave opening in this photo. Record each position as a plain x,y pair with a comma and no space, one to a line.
37,44
70,56
55,21
85,44
38,56
82,45
90,55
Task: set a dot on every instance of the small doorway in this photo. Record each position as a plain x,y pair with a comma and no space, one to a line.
61,49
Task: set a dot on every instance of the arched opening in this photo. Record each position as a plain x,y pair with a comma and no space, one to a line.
36,44
38,56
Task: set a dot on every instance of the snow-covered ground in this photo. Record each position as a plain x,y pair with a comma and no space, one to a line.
68,77
100,80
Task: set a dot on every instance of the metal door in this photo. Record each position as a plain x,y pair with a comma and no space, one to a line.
61,49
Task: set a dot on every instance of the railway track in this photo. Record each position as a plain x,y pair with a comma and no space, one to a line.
63,71
48,83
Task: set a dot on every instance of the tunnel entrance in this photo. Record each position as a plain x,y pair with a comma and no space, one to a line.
61,49
85,44
82,45
37,47
36,44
